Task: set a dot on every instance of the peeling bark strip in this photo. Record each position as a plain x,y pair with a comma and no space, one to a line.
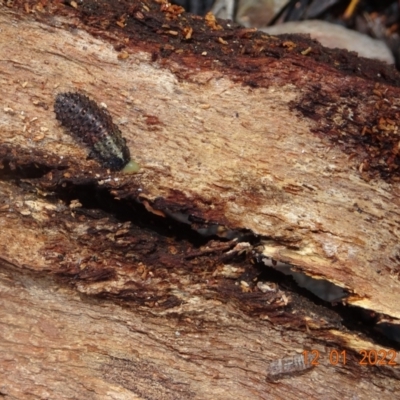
238,136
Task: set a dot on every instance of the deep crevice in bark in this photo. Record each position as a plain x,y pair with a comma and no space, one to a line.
98,203
9,171
353,318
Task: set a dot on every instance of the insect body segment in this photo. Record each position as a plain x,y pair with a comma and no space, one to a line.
93,126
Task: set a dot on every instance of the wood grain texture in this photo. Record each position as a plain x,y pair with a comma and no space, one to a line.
294,152
69,346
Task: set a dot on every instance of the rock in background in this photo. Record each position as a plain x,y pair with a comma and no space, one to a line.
332,35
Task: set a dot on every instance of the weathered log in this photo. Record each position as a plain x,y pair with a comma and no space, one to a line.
112,286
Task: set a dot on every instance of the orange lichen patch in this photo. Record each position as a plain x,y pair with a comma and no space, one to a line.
212,22
122,21
187,32
289,45
172,11
338,117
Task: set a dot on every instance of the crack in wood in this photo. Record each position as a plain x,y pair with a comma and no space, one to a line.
97,204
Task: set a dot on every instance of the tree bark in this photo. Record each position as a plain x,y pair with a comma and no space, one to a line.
257,154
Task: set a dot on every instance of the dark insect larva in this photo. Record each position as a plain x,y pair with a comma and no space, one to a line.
93,126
